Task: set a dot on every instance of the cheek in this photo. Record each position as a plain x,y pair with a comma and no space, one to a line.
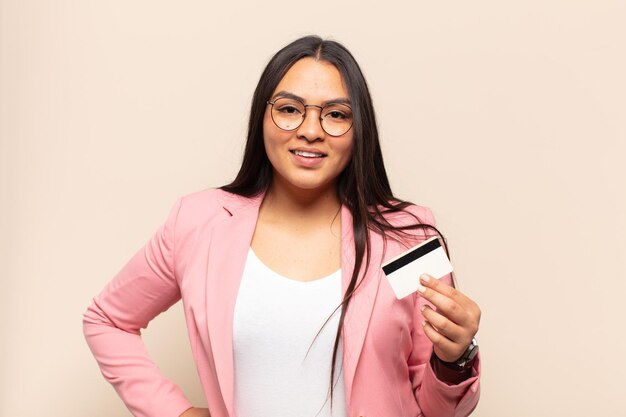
274,141
267,130
270,137
346,149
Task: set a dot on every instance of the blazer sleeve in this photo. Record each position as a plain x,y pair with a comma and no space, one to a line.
145,287
435,397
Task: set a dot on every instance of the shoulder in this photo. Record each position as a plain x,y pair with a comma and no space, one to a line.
202,201
410,215
407,227
213,199
201,207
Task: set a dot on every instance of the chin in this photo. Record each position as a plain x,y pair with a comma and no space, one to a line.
308,184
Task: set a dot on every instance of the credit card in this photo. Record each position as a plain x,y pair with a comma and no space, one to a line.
403,271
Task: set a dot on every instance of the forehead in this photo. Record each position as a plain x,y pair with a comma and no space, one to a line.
313,80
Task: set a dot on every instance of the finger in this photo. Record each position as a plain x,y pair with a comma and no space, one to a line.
443,325
441,287
468,314
445,349
445,305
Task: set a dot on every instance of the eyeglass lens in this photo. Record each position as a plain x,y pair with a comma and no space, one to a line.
288,114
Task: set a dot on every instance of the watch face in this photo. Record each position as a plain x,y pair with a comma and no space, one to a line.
469,354
472,352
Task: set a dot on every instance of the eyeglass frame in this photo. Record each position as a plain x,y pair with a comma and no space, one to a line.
271,103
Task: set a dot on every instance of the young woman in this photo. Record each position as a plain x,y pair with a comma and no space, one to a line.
288,310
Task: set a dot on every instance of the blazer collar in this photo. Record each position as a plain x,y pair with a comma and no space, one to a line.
229,246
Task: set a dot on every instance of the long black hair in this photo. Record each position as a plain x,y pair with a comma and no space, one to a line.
363,186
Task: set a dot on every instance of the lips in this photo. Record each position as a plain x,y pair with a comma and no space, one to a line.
307,154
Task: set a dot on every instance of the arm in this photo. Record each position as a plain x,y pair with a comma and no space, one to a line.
438,394
441,394
145,287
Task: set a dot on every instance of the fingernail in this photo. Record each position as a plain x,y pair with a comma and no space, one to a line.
425,278
421,289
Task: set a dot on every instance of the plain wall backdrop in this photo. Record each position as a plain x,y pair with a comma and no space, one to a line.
516,110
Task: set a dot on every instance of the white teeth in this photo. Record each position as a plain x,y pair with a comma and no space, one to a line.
308,154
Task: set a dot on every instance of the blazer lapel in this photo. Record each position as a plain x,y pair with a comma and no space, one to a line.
230,242
361,305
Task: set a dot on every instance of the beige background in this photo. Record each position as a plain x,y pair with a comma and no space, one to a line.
515,112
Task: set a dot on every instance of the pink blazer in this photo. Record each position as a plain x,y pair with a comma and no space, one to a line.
198,255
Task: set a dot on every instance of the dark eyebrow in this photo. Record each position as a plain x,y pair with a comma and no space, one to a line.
342,100
286,94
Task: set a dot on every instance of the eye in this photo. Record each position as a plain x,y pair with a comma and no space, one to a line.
335,114
289,109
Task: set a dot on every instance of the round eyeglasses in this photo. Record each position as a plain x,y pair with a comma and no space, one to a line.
288,114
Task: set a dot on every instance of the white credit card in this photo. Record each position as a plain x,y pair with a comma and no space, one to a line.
403,271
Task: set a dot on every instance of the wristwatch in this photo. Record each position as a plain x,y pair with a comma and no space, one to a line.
466,360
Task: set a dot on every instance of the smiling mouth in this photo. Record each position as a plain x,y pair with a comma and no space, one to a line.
307,154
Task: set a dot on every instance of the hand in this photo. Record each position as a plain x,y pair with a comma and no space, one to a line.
454,322
196,412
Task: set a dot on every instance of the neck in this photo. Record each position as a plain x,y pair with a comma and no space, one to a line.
287,202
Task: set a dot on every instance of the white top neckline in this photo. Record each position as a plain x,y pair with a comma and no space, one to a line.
256,259
283,336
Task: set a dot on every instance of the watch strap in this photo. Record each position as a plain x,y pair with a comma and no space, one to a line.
466,361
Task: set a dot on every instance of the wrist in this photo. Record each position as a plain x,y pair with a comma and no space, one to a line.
449,372
457,371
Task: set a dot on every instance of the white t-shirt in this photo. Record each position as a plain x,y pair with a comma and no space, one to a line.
275,323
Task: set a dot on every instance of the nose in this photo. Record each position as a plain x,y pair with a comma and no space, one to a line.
311,127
